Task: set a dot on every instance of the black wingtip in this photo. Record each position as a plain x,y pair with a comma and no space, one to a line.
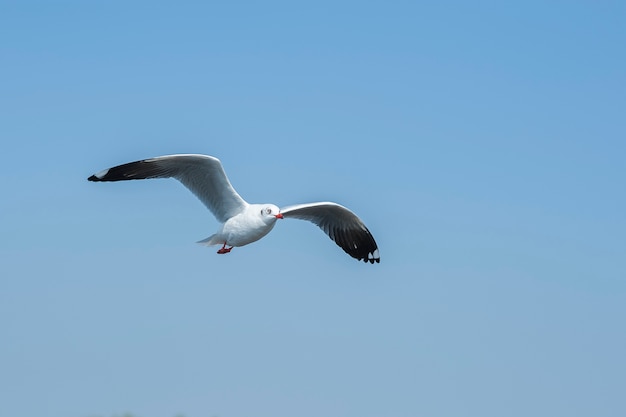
93,178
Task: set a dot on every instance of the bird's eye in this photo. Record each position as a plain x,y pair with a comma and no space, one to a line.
268,210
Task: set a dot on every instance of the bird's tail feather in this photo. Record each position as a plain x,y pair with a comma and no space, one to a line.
210,241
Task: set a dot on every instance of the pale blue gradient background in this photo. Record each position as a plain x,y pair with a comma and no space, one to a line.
483,143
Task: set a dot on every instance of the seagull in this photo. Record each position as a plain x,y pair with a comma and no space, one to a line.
241,222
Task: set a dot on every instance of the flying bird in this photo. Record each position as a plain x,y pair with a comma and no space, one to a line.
241,222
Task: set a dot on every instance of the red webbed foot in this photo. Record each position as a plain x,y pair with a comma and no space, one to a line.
224,249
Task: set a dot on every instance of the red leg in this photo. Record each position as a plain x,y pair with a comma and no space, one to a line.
224,249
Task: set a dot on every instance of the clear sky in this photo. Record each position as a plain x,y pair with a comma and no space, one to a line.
483,143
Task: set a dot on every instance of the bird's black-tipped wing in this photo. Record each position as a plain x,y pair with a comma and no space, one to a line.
341,225
202,174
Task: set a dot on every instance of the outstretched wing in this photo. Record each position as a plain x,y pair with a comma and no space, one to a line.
202,174
341,225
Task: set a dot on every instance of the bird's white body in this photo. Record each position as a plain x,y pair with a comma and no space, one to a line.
246,227
243,223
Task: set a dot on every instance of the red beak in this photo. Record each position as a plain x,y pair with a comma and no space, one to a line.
279,216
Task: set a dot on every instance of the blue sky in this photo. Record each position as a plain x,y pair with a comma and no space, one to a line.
482,144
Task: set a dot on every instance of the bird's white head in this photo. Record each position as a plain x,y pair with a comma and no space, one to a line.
270,212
